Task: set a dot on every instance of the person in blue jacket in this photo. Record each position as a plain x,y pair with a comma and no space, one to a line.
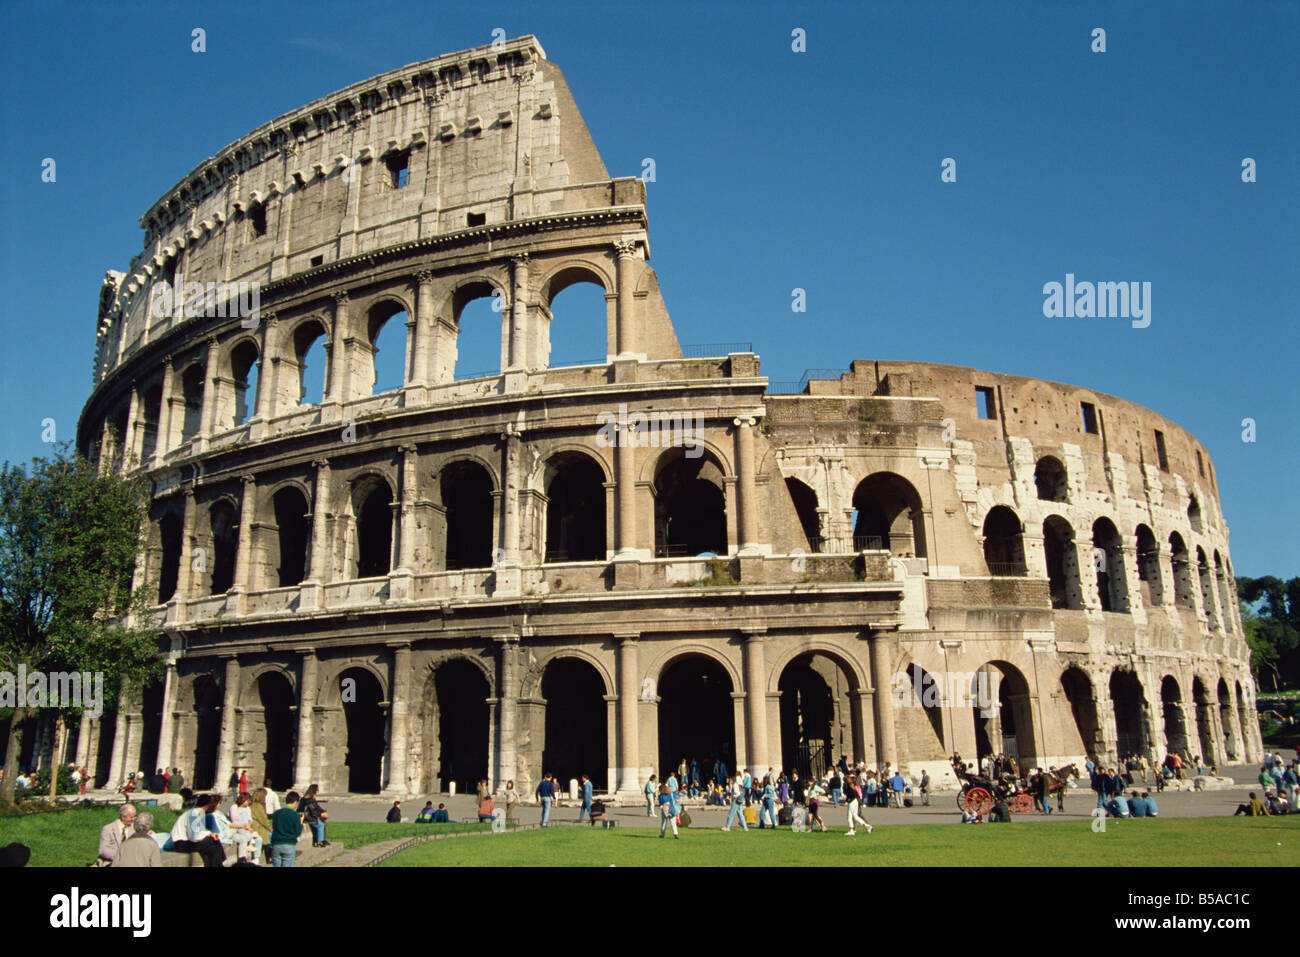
586,798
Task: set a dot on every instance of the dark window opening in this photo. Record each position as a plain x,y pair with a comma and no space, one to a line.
1089,418
1004,545
1194,514
399,169
575,511
375,532
887,515
364,717
224,521
476,219
575,725
1062,563
1050,479
805,506
192,391
467,498
257,218
292,534
276,695
985,404
1108,559
169,532
317,260
245,368
690,509
1161,456
1200,464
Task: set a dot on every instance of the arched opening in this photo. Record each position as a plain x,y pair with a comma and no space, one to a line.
364,714
311,362
919,720
816,726
1205,721
578,328
1004,542
1180,565
696,713
1004,722
1224,598
467,502
1062,563
1194,514
1050,480
276,696
1148,566
373,507
386,338
1171,706
805,506
1207,587
207,734
224,521
1108,559
1077,687
575,509
479,312
1233,753
690,507
192,399
576,739
169,535
245,368
456,718
887,514
293,531
151,719
1131,714
152,412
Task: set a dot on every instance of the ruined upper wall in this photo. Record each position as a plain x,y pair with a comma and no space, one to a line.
486,136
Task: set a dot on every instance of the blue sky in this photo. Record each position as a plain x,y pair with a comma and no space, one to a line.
774,170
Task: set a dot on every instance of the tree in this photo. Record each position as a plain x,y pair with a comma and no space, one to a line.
70,539
1270,614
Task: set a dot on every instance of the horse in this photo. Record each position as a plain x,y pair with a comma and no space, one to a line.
1057,782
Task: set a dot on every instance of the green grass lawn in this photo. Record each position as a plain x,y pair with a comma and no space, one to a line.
71,838
1176,842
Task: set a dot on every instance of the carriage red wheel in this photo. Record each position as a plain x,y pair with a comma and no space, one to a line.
979,800
1021,803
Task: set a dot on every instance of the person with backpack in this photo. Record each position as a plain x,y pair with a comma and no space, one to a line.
667,811
314,816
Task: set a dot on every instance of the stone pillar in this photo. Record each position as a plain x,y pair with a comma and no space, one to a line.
755,700
302,768
268,369
425,321
406,534
117,762
629,345
130,438
884,647
245,579
319,569
517,352
338,358
625,493
229,701
167,731
185,571
163,443
399,681
506,765
510,496
211,396
629,692
748,513
85,728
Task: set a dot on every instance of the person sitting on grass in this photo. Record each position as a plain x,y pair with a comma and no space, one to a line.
1118,806
485,808
598,811
426,814
1137,806
395,813
441,816
1256,808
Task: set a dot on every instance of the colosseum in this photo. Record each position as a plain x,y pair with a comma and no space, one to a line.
603,567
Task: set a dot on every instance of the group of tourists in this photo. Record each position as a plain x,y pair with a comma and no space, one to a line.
256,824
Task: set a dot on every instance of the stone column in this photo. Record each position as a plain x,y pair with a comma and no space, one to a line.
506,767
319,572
755,700
117,762
406,535
399,681
338,358
629,692
245,579
163,443
211,396
302,769
517,352
185,571
129,439
509,495
85,729
629,345
268,369
748,512
884,647
229,701
625,493
425,320
166,733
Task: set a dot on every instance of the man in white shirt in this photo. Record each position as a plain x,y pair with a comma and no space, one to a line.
190,834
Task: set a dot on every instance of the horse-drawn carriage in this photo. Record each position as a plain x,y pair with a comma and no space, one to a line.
979,792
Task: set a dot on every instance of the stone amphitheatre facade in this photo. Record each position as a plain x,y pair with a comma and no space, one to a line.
482,577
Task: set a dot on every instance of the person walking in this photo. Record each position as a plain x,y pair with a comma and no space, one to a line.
667,811
769,804
925,788
585,810
546,794
512,802
736,796
854,797
837,787
651,792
